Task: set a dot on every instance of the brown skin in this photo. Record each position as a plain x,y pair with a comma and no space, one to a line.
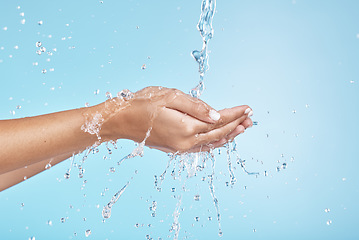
179,123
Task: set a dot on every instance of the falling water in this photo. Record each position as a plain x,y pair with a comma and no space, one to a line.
106,211
211,188
138,151
205,28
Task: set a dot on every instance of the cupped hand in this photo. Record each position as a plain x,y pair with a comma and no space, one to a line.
178,122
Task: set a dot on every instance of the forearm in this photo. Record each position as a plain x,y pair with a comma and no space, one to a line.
178,123
16,176
31,140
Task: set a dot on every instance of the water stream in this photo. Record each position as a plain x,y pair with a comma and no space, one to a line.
205,28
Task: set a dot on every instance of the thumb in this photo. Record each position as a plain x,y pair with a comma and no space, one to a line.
194,107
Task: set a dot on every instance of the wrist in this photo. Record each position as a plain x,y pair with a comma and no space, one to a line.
105,120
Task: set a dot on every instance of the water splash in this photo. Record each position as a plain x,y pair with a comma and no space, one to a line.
242,163
67,174
176,226
211,188
87,232
93,126
205,28
106,211
231,148
163,175
138,151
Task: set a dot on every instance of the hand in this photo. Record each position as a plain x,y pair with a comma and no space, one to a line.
179,122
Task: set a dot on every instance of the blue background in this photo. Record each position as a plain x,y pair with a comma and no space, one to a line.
294,62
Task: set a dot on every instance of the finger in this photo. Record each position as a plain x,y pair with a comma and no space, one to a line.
230,114
193,107
210,146
247,123
238,130
217,144
204,127
217,134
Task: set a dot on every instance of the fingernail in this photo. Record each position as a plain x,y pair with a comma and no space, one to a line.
247,110
214,115
250,114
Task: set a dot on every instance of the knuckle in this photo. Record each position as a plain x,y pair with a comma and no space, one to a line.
245,106
188,130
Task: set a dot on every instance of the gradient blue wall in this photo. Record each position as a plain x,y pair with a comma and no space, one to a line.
294,62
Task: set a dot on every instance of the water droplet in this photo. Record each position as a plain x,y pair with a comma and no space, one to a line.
327,210
16,47
284,166
329,222
67,174
197,197
38,52
143,67
18,107
112,169
44,71
220,233
23,21
31,238
210,218
48,166
84,219
25,177
108,95
265,173
40,22
22,204
96,92
255,123
4,28
254,230
22,14
173,189
196,218
87,232
125,94
42,49
62,220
